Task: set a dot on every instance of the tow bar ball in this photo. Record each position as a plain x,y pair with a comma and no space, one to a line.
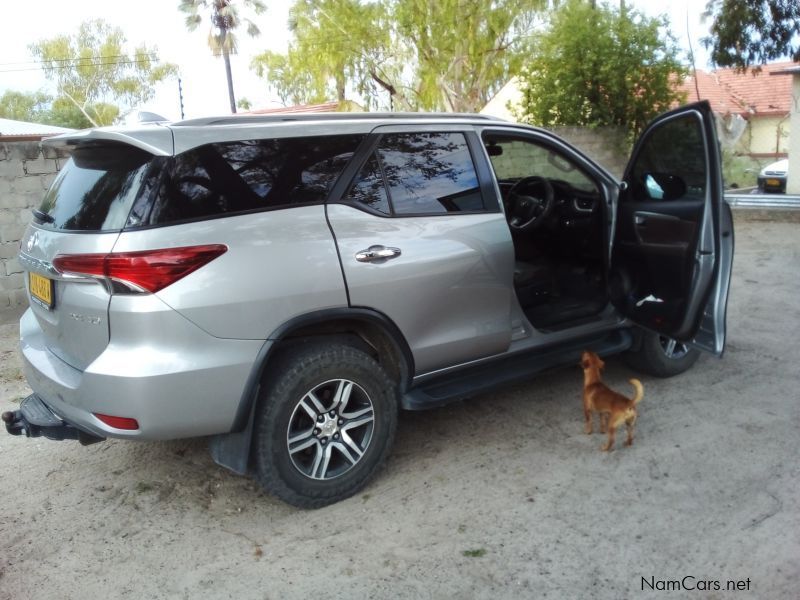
34,419
15,424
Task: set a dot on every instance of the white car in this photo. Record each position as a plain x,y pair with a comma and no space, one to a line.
772,178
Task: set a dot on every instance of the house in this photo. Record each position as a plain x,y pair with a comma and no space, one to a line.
22,131
762,101
503,102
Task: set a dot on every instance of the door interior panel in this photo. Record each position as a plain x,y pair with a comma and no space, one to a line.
656,265
656,252
660,230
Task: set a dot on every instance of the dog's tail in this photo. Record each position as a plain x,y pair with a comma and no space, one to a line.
639,390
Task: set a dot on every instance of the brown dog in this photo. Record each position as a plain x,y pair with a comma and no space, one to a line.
614,408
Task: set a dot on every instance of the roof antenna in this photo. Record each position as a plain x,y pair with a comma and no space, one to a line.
145,116
691,56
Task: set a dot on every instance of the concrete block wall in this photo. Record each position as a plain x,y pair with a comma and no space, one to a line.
26,171
606,145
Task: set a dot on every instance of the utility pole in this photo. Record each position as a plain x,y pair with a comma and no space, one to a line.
180,96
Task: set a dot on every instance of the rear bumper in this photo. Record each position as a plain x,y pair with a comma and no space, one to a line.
158,368
775,185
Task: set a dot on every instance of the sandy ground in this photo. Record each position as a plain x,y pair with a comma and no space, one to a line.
502,496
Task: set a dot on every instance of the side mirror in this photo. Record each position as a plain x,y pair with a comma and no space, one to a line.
664,186
494,150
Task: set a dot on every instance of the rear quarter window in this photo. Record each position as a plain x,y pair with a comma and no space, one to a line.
223,179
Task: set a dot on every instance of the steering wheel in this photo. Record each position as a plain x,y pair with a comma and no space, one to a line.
530,201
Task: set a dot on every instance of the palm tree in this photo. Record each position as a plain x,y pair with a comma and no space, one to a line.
224,22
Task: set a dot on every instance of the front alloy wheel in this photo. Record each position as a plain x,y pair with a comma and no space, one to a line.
673,349
661,356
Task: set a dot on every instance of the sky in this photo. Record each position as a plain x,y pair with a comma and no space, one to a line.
159,23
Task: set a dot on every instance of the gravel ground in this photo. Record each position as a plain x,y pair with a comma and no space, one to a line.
502,496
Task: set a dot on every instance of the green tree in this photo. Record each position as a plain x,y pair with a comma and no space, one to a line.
336,43
225,20
64,113
39,107
600,66
94,72
447,55
24,106
747,33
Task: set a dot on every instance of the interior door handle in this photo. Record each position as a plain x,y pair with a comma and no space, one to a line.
639,220
377,254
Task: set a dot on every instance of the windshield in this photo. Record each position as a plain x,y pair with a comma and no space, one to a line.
95,189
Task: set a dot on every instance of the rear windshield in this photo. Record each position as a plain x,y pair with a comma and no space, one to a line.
96,188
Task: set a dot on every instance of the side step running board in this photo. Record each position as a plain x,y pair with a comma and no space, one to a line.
491,375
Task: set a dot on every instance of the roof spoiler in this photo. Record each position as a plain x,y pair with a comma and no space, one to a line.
154,139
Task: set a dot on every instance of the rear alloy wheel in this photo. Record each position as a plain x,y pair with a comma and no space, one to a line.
324,425
330,429
661,356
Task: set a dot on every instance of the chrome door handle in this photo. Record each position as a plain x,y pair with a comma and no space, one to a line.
377,254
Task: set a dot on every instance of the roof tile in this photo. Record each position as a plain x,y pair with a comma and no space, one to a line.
743,93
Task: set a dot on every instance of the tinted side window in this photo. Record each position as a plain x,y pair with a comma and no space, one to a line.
672,163
369,189
228,178
429,173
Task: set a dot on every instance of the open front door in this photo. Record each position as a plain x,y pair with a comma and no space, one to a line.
673,244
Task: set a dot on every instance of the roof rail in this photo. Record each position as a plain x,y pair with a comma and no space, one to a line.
336,116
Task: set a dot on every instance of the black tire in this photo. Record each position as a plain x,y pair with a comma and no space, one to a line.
304,380
654,358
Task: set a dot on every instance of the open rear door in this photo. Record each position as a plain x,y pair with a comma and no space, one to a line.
673,243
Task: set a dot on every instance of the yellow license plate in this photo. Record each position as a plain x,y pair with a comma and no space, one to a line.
41,289
773,182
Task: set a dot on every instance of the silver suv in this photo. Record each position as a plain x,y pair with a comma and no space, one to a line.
285,284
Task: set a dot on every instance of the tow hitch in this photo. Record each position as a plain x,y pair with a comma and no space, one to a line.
35,419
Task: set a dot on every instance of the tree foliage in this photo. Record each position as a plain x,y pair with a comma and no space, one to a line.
24,106
600,66
419,55
747,33
95,75
337,44
40,107
225,20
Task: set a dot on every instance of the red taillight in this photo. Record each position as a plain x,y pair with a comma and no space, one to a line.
118,422
149,270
